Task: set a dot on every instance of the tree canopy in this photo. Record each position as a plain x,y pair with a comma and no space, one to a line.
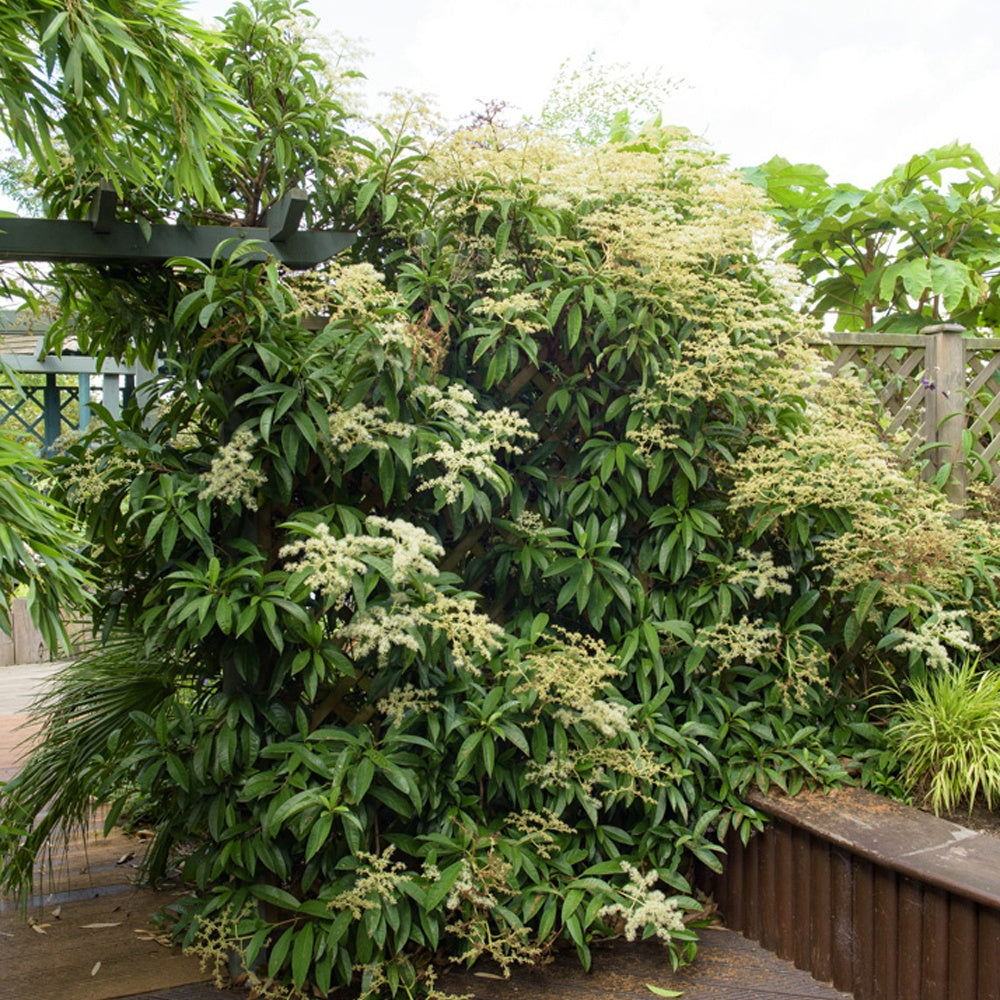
917,248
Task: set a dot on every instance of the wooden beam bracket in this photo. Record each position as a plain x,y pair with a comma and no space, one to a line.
283,217
103,206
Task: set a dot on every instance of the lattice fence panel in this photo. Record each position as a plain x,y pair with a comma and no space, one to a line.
895,368
23,412
900,370
983,400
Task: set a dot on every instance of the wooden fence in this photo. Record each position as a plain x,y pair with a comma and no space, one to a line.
25,643
940,388
55,391
880,899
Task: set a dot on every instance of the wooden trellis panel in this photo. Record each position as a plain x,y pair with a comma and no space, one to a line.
983,398
894,366
62,399
938,388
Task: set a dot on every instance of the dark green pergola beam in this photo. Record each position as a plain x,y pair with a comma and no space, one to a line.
124,243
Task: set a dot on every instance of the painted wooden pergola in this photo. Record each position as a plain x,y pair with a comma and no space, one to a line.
41,412
103,239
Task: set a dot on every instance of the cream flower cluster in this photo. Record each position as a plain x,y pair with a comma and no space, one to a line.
331,563
481,434
381,629
367,425
935,635
570,674
377,881
472,636
90,478
645,907
230,478
759,569
402,700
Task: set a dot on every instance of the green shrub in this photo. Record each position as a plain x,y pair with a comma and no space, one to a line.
479,609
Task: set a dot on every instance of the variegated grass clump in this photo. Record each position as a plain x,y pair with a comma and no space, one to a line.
946,734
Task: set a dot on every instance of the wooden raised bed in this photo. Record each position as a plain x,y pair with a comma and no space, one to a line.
883,900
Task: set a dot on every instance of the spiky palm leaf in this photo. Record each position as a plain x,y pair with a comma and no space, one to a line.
86,729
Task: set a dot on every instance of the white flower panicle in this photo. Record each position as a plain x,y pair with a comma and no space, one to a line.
645,907
332,563
377,882
90,478
380,629
480,434
231,479
932,639
472,636
651,438
403,700
362,425
759,569
409,547
570,675
521,311
337,290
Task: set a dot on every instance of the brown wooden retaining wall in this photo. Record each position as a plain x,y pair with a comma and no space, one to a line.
884,901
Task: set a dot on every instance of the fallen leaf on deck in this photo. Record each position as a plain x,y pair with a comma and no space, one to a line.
659,991
487,975
144,935
94,970
125,857
95,926
56,912
40,928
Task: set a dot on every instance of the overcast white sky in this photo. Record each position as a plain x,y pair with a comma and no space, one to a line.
854,85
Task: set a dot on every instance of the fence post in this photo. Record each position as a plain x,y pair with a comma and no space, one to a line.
945,412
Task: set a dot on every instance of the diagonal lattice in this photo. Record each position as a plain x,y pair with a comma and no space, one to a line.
898,368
